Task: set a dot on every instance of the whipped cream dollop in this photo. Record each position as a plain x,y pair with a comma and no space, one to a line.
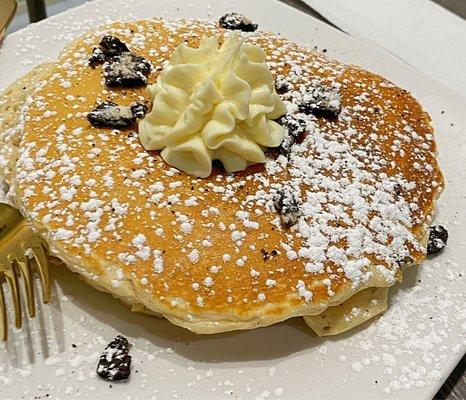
214,103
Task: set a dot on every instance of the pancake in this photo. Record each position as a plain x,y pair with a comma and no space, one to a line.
358,309
11,102
213,255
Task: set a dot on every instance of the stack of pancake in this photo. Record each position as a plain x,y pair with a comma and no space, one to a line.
321,230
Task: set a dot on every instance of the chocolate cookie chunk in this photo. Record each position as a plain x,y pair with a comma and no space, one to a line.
139,109
282,86
111,115
97,58
121,67
126,70
237,21
115,362
109,46
112,46
438,237
321,101
296,128
284,149
287,205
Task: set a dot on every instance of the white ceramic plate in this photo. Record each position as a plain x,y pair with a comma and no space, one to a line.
407,353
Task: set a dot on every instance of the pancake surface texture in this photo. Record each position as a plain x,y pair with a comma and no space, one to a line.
213,254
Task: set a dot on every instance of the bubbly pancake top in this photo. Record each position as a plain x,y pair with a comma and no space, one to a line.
364,185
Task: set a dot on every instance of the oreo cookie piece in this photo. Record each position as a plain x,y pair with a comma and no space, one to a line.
438,237
284,149
111,115
296,128
112,46
109,46
321,101
235,21
97,58
287,205
126,70
282,86
115,362
139,109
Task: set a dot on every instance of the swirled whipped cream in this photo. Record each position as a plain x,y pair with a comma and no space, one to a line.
214,103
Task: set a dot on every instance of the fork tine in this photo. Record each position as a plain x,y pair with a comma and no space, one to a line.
12,280
43,268
25,268
3,320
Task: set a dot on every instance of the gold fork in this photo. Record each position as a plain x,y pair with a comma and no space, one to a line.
17,243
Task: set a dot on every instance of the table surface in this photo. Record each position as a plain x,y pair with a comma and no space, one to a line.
455,386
